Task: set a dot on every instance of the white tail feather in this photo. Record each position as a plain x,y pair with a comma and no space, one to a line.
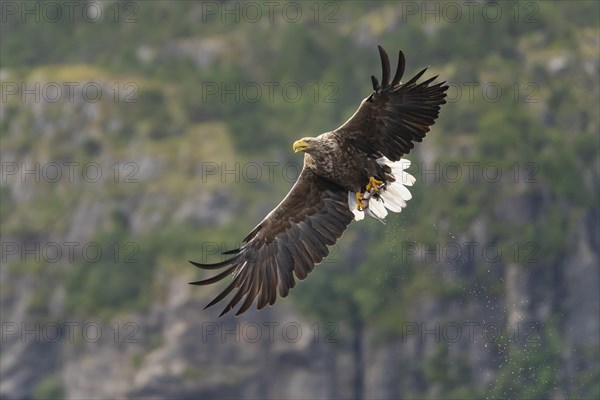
393,197
377,208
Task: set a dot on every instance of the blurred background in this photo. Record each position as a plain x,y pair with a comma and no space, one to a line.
138,135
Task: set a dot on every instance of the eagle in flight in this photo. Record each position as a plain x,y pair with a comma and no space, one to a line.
355,169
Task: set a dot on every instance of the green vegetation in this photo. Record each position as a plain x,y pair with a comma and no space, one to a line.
50,388
541,133
531,370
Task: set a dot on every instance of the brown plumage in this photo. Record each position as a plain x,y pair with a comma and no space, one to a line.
296,234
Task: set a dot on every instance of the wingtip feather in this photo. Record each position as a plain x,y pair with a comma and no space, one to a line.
225,311
213,266
385,67
233,251
400,69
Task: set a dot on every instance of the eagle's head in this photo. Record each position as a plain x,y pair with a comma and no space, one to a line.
309,145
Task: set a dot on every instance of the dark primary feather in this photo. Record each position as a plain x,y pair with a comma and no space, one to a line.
400,69
289,241
385,66
395,115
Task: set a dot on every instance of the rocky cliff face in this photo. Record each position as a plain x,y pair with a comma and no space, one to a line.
103,201
172,349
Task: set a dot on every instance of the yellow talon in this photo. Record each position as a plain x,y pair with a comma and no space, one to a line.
373,184
359,200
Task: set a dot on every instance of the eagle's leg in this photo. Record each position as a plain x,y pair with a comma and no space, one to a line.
359,200
374,184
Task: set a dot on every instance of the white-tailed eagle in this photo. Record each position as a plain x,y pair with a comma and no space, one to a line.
354,169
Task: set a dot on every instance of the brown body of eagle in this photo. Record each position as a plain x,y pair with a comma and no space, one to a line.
338,165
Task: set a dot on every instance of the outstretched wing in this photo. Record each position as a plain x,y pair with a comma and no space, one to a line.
289,241
395,115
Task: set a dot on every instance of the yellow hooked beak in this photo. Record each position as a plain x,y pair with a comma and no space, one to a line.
299,145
